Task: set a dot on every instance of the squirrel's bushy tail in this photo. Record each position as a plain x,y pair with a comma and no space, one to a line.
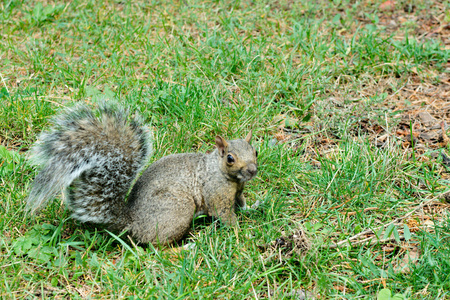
96,156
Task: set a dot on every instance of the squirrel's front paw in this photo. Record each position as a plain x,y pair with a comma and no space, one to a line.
189,246
244,208
257,204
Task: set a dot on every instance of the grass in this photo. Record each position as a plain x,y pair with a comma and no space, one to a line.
326,87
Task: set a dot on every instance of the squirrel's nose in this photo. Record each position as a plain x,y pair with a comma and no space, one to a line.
252,169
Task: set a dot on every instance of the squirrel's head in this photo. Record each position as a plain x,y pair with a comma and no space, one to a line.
237,158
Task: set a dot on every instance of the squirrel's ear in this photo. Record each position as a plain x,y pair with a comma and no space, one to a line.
221,144
248,138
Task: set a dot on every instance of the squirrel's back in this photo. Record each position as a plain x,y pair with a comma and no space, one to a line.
97,155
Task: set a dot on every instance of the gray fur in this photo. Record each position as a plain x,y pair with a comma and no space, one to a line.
96,159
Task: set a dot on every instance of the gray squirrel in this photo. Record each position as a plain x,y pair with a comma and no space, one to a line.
95,156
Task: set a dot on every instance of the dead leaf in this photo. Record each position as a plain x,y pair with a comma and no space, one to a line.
445,138
410,258
387,5
426,118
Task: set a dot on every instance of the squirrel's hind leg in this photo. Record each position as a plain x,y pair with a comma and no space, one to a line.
164,222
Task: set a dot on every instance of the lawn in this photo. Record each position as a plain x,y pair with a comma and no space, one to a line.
349,103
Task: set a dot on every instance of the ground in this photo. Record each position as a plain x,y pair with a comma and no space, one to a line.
349,103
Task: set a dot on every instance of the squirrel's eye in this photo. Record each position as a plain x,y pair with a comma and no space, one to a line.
230,159
256,153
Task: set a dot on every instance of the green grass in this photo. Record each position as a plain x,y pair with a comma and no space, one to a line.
195,69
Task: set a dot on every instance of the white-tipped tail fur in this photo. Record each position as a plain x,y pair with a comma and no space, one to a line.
94,156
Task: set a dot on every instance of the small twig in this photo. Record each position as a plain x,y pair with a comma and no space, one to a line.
370,280
345,202
375,241
365,210
356,236
445,138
